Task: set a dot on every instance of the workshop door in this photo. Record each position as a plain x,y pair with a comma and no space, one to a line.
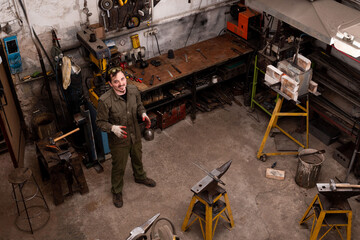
10,121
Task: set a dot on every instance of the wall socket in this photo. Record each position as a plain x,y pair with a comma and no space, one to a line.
151,32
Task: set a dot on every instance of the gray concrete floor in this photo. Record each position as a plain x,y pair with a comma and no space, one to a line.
262,208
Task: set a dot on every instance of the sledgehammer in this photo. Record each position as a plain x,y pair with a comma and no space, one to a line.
334,185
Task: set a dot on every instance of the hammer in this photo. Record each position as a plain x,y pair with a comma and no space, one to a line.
334,185
53,141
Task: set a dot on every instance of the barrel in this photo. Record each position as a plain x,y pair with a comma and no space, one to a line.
308,168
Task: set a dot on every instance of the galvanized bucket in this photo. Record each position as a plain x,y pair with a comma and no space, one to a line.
308,168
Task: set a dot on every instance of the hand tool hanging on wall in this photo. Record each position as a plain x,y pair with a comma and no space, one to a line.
103,14
47,83
133,20
122,3
106,5
42,48
52,67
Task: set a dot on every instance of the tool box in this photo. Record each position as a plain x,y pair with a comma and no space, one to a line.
172,116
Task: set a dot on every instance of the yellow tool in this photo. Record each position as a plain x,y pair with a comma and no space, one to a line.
122,3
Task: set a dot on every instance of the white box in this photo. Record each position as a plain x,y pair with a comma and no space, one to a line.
313,87
273,72
273,75
289,83
303,62
293,95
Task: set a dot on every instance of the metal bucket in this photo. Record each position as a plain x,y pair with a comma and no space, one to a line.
308,168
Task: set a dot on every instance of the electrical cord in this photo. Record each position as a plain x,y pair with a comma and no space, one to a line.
193,23
152,234
157,43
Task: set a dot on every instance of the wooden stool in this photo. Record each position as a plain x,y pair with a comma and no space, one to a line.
327,214
21,180
208,208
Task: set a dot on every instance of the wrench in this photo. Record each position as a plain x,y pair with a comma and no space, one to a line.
103,16
198,49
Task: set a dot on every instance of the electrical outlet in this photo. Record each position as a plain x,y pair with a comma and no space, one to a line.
150,32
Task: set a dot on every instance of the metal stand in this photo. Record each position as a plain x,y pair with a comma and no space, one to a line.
18,178
325,215
273,123
209,212
206,204
253,91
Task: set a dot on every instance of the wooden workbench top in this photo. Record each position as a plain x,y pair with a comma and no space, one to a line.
217,50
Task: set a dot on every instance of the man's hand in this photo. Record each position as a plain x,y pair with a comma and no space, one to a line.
119,132
147,119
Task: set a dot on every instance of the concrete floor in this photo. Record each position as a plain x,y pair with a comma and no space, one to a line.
262,208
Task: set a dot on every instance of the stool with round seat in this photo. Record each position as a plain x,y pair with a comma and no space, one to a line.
26,190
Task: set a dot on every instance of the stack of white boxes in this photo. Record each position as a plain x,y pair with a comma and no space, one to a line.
295,77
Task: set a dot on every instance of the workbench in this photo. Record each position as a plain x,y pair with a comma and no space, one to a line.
193,61
61,171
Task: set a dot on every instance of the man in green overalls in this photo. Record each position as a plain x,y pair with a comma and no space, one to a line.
117,114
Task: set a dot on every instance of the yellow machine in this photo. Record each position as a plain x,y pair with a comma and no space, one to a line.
99,55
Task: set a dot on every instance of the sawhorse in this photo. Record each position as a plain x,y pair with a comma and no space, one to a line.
273,123
325,214
208,208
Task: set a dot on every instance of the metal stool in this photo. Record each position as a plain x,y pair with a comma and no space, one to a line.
23,182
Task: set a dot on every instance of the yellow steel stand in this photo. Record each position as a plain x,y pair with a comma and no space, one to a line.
207,213
273,123
325,215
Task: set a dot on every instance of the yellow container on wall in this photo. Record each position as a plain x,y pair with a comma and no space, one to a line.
135,41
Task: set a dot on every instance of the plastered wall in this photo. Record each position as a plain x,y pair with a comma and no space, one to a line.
178,23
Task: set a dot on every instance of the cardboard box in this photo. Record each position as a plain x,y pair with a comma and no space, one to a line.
98,30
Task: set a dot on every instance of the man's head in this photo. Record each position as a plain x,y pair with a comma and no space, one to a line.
117,80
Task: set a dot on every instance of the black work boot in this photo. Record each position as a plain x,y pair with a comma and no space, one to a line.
147,182
117,199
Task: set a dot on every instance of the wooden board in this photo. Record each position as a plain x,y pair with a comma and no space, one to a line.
217,50
10,121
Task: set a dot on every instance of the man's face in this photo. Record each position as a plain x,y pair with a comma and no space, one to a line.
118,83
